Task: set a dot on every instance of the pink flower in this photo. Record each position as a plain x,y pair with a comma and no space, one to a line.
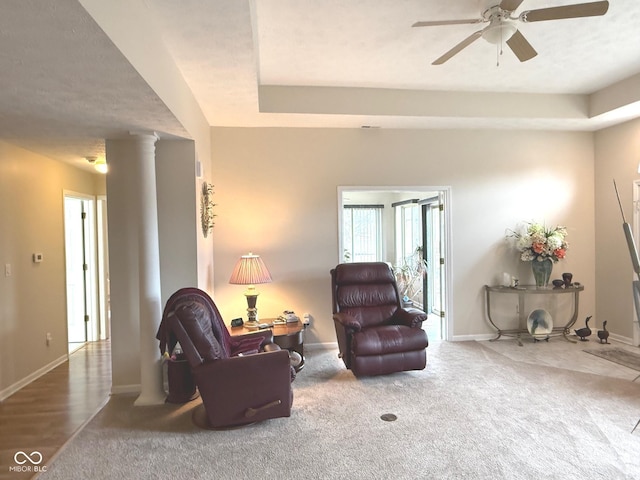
560,253
538,247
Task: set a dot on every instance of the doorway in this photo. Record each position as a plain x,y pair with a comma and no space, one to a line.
636,235
408,228
85,254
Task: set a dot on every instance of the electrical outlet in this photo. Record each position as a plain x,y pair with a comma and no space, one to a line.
7,269
49,338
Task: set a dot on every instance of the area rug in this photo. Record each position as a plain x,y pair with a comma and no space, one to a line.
617,355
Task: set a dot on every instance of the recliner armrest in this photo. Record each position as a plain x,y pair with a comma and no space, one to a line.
232,386
252,342
347,321
267,335
411,317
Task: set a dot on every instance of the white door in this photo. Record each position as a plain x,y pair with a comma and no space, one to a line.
79,221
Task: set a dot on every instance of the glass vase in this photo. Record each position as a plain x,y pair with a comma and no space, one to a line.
542,272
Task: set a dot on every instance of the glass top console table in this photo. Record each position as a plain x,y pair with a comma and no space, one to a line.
529,294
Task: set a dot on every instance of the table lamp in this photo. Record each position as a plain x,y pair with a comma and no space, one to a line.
250,270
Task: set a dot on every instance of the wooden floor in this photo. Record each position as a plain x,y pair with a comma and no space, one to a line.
43,415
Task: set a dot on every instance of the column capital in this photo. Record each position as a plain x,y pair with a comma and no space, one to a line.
144,134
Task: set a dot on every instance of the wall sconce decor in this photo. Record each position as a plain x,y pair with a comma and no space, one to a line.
206,208
250,270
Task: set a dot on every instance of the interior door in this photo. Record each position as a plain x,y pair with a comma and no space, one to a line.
433,224
439,214
81,281
75,269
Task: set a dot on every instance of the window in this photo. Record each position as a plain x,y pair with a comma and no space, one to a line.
408,232
410,262
362,233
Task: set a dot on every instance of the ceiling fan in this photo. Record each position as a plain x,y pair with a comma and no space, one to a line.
502,25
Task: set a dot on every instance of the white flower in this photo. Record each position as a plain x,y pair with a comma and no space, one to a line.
535,242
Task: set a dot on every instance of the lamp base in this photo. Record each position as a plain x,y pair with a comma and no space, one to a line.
252,311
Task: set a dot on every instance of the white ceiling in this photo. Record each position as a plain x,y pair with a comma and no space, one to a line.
331,63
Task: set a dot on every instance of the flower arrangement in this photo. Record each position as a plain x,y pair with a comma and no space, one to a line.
538,243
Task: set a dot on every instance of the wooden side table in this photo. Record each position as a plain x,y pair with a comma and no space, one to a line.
289,336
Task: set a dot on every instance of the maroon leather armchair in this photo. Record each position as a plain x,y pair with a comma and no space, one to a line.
241,379
375,335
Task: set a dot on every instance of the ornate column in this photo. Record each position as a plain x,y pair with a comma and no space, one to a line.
146,212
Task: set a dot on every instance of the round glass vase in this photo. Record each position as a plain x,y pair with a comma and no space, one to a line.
542,272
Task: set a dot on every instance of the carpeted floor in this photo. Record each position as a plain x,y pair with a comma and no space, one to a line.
474,413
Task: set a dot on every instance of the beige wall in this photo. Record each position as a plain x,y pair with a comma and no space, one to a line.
617,152
33,299
276,191
178,219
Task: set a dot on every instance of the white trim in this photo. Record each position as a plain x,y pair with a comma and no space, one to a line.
11,389
448,261
636,234
490,336
120,389
621,339
483,337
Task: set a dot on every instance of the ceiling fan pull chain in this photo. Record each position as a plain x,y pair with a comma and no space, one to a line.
499,49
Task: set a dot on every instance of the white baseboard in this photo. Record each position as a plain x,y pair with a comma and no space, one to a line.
118,389
10,390
620,338
471,338
311,347
491,336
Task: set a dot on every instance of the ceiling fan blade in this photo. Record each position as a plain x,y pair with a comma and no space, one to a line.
510,5
447,22
592,9
521,47
458,48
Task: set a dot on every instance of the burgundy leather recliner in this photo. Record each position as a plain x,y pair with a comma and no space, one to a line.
242,379
375,335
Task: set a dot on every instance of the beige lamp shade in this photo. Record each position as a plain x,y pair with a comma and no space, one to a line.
250,270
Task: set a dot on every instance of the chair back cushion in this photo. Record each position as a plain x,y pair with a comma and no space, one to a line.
197,324
367,291
204,319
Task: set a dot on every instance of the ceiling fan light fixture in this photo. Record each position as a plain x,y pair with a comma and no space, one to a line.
499,31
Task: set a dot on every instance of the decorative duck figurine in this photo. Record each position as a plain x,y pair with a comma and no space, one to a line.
585,331
604,333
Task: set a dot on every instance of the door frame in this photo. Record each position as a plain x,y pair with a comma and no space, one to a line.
102,272
636,235
445,192
90,259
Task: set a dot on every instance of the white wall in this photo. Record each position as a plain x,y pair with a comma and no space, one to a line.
276,195
617,153
33,298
